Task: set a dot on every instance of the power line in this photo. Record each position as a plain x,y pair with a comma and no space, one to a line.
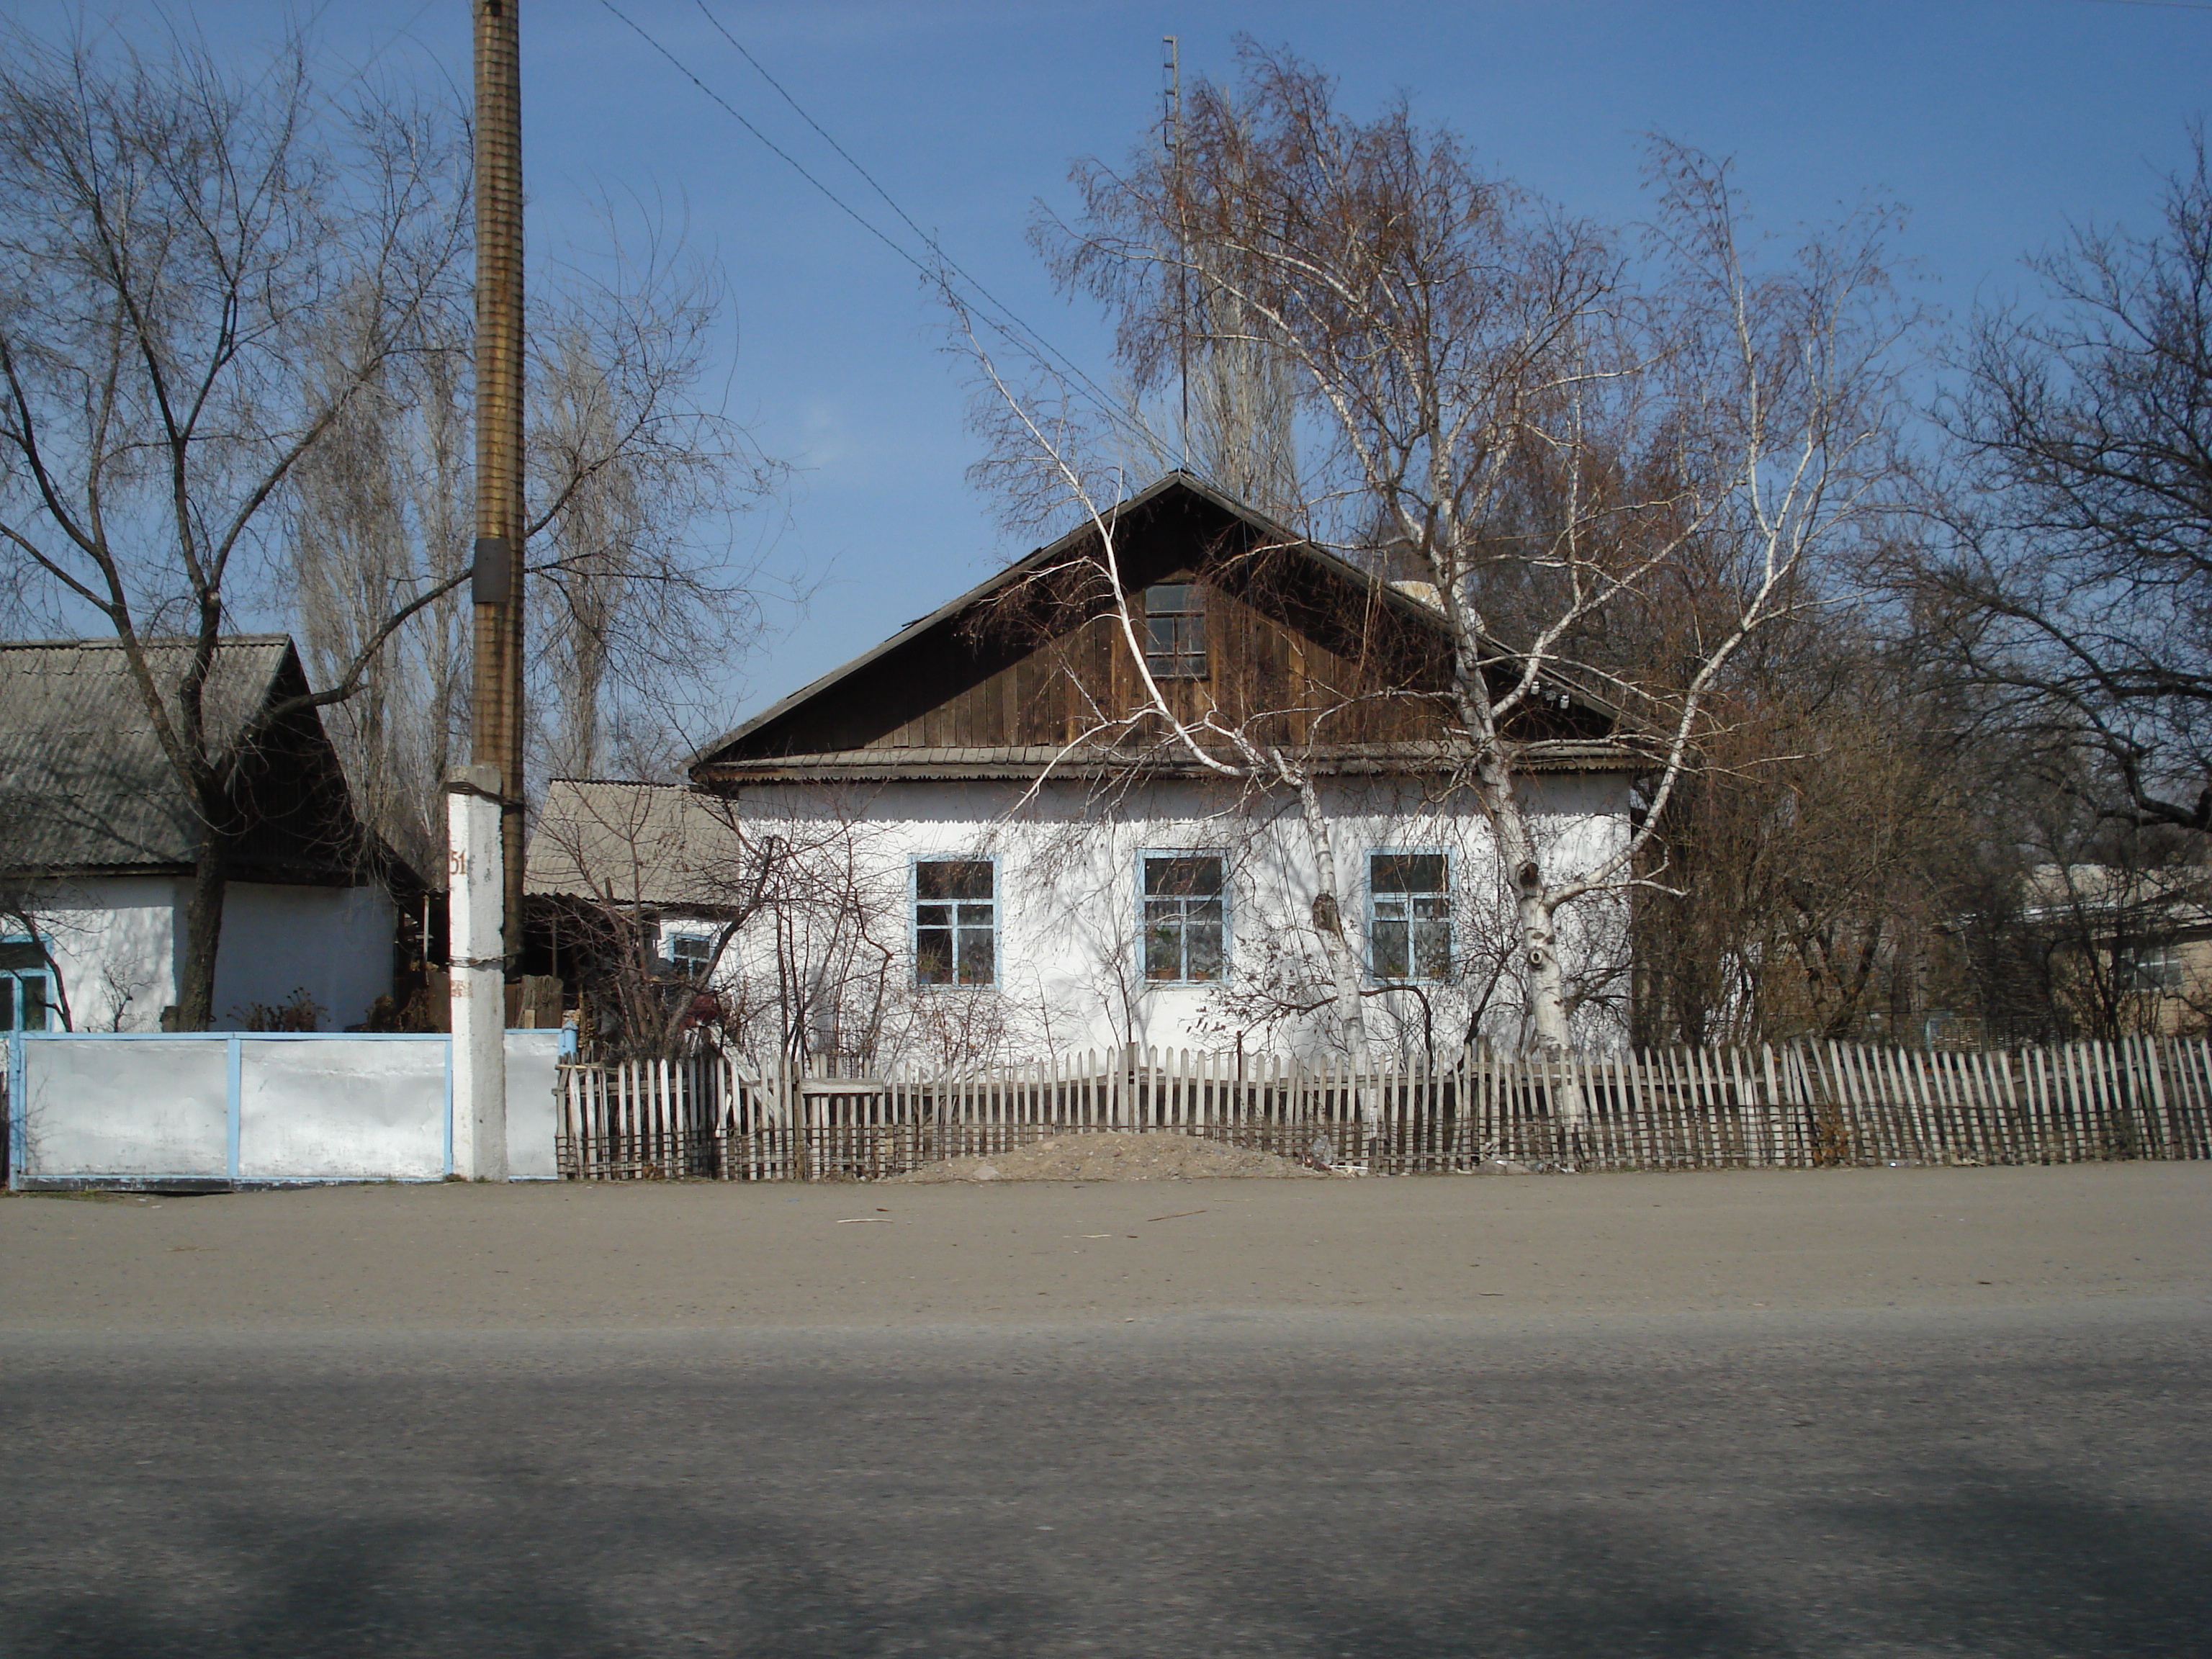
1044,347
732,111
928,240
1006,319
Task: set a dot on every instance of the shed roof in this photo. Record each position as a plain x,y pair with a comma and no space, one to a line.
633,843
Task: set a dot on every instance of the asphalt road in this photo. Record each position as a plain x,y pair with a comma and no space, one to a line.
1871,1472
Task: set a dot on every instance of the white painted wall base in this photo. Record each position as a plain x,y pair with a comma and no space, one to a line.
333,943
255,1108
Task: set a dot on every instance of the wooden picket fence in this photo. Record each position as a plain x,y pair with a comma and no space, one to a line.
716,1116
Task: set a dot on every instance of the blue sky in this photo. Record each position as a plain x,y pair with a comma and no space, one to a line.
1995,122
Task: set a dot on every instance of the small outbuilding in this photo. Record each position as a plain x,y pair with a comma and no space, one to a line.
96,850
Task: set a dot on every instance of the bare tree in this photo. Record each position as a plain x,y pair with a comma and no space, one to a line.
618,860
640,604
2074,595
1489,404
172,235
1806,851
644,602
380,504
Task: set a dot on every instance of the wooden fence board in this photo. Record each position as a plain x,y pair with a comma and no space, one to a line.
717,1116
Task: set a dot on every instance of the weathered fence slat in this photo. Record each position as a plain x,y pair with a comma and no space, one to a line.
717,1116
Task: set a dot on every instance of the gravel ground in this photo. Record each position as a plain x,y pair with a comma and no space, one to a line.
697,1255
1114,1158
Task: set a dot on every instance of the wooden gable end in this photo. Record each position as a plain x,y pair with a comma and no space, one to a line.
1301,649
1040,660
1292,653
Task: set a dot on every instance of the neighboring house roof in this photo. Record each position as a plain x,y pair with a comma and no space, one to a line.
85,788
836,727
660,845
2174,897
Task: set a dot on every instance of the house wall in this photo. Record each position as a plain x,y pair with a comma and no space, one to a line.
118,941
1070,977
333,943
2181,1011
115,940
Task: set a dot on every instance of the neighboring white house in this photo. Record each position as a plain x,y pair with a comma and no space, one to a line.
98,866
973,852
2132,948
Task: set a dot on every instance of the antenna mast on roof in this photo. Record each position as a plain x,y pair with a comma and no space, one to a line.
1171,137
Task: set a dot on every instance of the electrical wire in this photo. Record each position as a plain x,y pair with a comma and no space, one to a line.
1006,320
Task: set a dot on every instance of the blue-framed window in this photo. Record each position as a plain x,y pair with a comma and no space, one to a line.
956,920
27,987
1409,934
1174,631
1183,917
687,952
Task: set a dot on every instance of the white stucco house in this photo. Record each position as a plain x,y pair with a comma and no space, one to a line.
984,853
97,833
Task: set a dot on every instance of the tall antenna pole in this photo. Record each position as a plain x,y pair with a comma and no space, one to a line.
496,724
1171,123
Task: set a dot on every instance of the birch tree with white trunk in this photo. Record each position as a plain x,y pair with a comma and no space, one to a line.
1583,440
1235,748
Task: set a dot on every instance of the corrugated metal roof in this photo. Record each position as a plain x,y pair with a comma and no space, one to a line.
84,784
634,844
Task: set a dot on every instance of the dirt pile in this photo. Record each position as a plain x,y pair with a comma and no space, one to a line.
1113,1157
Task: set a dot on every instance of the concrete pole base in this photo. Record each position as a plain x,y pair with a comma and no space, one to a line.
476,955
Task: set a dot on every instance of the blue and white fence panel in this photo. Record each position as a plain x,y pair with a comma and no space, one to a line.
255,1107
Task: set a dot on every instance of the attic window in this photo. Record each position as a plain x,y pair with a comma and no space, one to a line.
1174,631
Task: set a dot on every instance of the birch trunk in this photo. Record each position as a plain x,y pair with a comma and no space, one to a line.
1328,922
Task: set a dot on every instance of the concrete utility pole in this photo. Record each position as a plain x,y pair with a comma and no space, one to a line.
476,963
483,813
